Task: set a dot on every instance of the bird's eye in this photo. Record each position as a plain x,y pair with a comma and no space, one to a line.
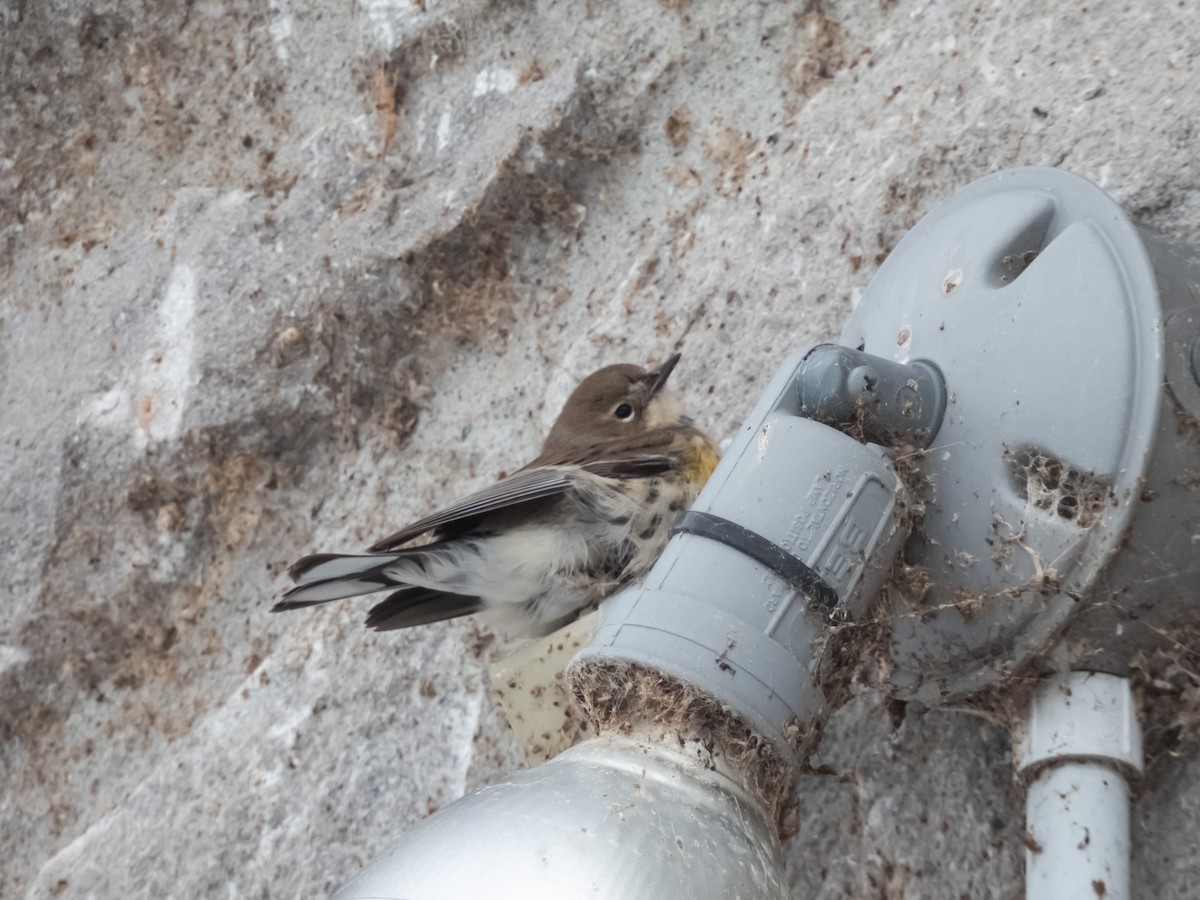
624,411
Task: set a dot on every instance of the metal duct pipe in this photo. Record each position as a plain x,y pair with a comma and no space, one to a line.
615,817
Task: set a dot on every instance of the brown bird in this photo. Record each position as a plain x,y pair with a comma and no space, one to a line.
589,515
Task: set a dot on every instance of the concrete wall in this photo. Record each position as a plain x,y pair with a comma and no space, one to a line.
284,275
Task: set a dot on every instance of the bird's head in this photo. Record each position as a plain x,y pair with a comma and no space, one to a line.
617,401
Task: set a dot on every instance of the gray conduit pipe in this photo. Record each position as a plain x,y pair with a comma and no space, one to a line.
1076,747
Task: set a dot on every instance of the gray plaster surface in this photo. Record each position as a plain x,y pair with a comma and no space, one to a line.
278,276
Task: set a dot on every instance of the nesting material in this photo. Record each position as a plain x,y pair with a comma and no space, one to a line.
626,698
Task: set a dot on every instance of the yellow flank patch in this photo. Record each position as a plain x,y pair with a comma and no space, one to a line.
700,460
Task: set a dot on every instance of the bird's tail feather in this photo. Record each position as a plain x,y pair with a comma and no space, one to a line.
420,606
333,576
324,577
322,566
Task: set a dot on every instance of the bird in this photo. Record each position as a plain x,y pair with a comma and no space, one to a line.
588,516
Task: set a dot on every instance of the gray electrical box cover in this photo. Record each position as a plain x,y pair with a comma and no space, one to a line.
1061,490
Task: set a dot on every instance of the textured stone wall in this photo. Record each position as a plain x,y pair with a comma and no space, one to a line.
283,275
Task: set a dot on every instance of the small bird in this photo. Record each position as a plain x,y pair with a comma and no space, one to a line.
589,515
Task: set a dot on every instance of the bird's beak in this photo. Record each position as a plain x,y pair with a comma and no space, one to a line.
658,377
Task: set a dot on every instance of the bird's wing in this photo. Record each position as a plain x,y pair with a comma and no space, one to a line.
522,487
525,486
647,449
631,467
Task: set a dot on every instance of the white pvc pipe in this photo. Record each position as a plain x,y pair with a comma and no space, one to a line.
1077,819
1076,745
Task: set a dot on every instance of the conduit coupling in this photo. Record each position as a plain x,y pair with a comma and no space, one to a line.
1075,749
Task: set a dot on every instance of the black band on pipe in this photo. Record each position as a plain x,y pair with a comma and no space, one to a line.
820,595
